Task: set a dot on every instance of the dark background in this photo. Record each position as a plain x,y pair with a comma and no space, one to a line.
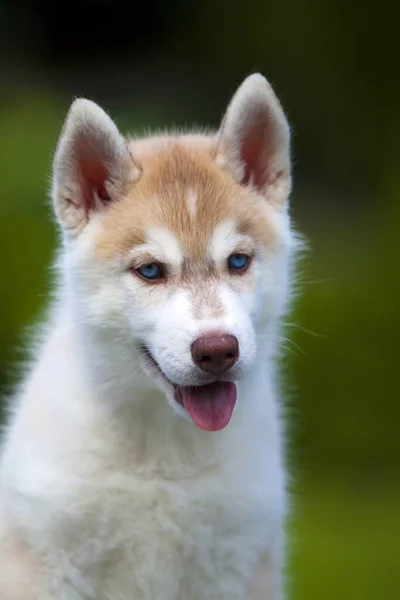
335,66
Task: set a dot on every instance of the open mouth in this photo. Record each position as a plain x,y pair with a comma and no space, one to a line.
210,406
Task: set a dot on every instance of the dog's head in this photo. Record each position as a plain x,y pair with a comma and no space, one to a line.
176,248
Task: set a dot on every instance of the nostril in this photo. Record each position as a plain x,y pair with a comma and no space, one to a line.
206,358
229,355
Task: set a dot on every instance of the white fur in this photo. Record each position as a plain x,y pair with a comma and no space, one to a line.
162,245
115,495
224,241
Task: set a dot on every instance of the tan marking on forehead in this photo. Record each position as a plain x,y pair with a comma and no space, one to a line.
192,200
171,167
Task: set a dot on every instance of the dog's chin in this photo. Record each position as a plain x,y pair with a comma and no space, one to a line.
207,401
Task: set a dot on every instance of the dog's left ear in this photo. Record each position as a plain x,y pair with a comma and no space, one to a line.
254,141
92,166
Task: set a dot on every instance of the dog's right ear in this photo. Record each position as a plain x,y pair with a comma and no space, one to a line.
254,141
92,166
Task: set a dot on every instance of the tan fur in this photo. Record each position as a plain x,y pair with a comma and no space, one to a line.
173,169
170,169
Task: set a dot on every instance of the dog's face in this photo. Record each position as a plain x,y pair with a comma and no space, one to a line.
178,247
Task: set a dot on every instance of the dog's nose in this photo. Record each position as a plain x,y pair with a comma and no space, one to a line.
215,353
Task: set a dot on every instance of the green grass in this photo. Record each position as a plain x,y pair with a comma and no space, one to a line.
346,543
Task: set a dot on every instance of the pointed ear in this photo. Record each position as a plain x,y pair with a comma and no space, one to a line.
254,140
92,165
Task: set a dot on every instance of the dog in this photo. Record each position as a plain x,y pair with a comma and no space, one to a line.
144,454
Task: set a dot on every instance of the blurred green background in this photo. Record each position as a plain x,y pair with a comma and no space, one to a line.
335,66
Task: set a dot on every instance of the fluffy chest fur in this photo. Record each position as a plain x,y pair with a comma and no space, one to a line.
162,539
115,511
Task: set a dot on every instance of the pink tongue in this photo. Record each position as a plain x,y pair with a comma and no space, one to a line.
210,406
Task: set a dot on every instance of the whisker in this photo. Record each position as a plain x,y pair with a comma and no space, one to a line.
288,349
315,281
285,339
268,355
301,328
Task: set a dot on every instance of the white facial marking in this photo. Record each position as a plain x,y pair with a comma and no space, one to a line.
225,240
163,246
192,203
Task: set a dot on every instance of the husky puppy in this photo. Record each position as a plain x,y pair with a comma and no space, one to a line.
143,459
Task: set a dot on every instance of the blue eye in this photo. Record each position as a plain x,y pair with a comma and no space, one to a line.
238,262
150,271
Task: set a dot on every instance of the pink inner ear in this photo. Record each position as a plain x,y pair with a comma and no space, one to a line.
93,173
254,154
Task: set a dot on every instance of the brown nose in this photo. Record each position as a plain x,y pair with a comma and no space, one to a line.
215,353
